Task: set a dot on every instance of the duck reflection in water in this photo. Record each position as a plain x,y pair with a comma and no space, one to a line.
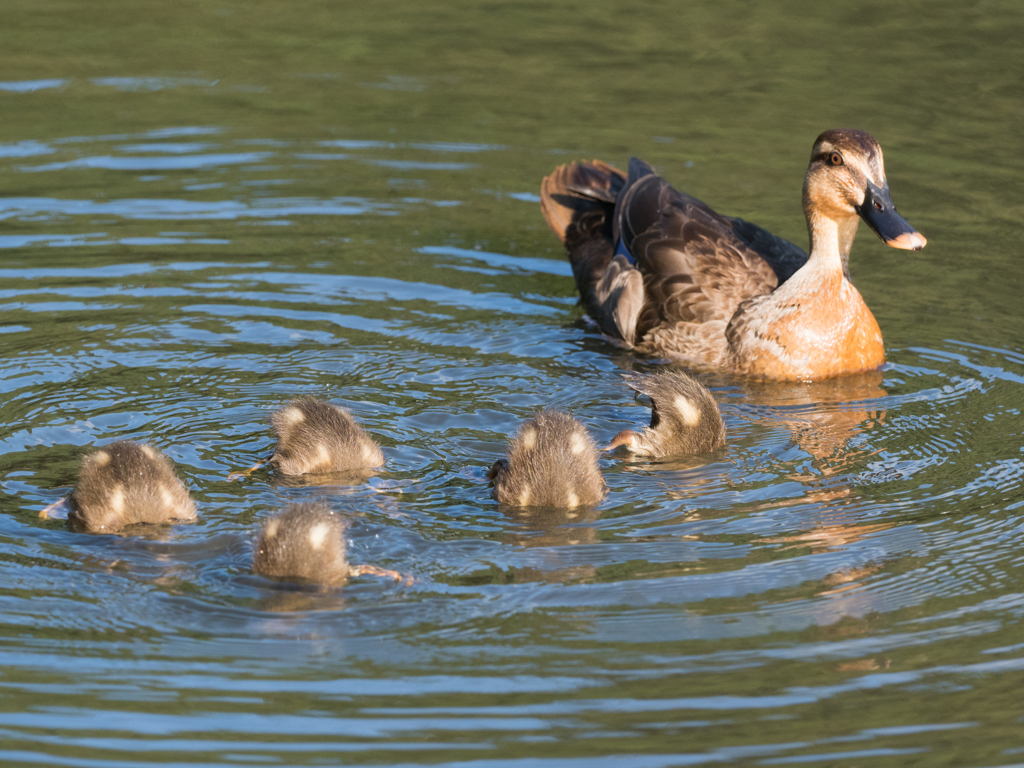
843,410
552,530
825,419
824,416
551,526
830,533
549,483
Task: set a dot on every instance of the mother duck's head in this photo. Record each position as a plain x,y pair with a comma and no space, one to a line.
846,178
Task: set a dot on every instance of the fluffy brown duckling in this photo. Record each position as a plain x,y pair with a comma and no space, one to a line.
684,417
122,484
306,543
314,437
551,462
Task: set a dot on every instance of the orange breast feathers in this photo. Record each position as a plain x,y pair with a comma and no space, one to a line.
809,336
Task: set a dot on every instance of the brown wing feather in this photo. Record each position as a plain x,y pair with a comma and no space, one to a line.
691,272
696,270
700,346
618,297
699,280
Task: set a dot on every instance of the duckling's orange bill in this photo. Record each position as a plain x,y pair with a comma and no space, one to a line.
56,511
880,214
625,437
245,472
373,570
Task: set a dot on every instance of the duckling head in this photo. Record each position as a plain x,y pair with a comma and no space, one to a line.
684,417
846,179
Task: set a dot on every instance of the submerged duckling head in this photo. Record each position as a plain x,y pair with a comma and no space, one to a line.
846,179
684,417
551,462
314,437
304,542
125,483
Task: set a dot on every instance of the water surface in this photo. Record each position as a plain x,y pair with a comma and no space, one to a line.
206,209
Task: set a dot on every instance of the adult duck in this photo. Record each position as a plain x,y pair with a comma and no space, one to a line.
662,273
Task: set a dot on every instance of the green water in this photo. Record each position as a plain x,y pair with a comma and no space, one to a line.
207,208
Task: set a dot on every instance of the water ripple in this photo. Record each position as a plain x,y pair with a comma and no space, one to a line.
855,547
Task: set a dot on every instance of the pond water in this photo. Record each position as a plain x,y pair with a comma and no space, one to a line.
209,208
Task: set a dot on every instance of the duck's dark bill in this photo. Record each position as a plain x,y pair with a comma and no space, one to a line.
880,214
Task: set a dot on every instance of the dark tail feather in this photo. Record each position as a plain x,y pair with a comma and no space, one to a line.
638,207
578,202
574,190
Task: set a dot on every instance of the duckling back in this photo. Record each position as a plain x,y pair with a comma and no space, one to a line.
551,462
126,483
684,416
304,542
315,437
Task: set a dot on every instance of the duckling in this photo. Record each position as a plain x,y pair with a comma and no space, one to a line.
314,437
303,542
551,462
306,543
125,483
662,273
684,417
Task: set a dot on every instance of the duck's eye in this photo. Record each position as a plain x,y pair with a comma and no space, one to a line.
835,158
878,206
